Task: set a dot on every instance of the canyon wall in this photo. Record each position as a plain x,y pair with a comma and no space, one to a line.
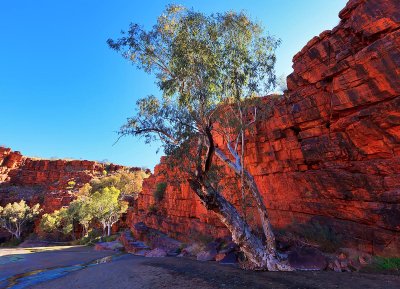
329,151
45,181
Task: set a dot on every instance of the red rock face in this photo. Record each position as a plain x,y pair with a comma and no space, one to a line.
330,150
44,181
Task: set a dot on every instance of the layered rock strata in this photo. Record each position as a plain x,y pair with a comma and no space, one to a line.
45,181
329,151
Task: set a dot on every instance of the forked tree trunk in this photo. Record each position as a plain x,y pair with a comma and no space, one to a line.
259,255
262,210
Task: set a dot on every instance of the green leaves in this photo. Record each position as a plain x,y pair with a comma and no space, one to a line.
60,220
14,216
200,61
203,63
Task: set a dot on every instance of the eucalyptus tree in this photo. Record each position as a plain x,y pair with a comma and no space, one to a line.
60,221
210,69
15,216
107,207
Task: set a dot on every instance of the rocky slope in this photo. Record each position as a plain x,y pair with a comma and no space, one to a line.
329,152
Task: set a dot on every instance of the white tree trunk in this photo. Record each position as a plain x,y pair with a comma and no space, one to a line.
260,257
248,178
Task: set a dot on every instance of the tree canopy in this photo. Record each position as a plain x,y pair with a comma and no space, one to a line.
200,62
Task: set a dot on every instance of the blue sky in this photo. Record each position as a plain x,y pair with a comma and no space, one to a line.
64,93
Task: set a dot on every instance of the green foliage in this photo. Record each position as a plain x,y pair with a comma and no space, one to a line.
153,209
99,202
129,183
11,243
103,206
159,192
384,263
71,185
316,233
15,216
200,61
93,236
109,238
81,211
107,208
58,221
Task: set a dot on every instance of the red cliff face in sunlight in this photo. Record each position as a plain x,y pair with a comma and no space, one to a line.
44,181
330,149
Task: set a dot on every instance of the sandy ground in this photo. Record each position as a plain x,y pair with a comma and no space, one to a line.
22,260
130,271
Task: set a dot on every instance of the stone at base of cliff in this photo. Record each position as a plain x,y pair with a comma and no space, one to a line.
109,246
173,253
229,259
127,240
307,259
157,252
191,250
140,252
207,255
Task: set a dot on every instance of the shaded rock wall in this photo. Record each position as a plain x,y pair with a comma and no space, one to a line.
330,149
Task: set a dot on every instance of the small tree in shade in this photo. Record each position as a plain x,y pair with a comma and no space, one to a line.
15,216
59,221
159,192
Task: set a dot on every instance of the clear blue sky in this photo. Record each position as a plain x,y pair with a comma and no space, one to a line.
64,93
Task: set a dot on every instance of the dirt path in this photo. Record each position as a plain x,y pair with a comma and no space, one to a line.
128,271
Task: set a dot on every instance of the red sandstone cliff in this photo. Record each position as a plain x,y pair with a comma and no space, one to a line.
44,181
330,150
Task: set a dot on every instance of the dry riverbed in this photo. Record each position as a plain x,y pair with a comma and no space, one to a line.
82,267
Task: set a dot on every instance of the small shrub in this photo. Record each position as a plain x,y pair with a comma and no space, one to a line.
71,185
387,263
323,235
11,243
159,192
153,209
110,238
314,233
200,238
94,236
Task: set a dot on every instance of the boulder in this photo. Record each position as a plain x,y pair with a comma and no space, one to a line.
127,240
220,256
173,252
140,252
165,242
191,250
157,252
112,246
229,259
207,255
